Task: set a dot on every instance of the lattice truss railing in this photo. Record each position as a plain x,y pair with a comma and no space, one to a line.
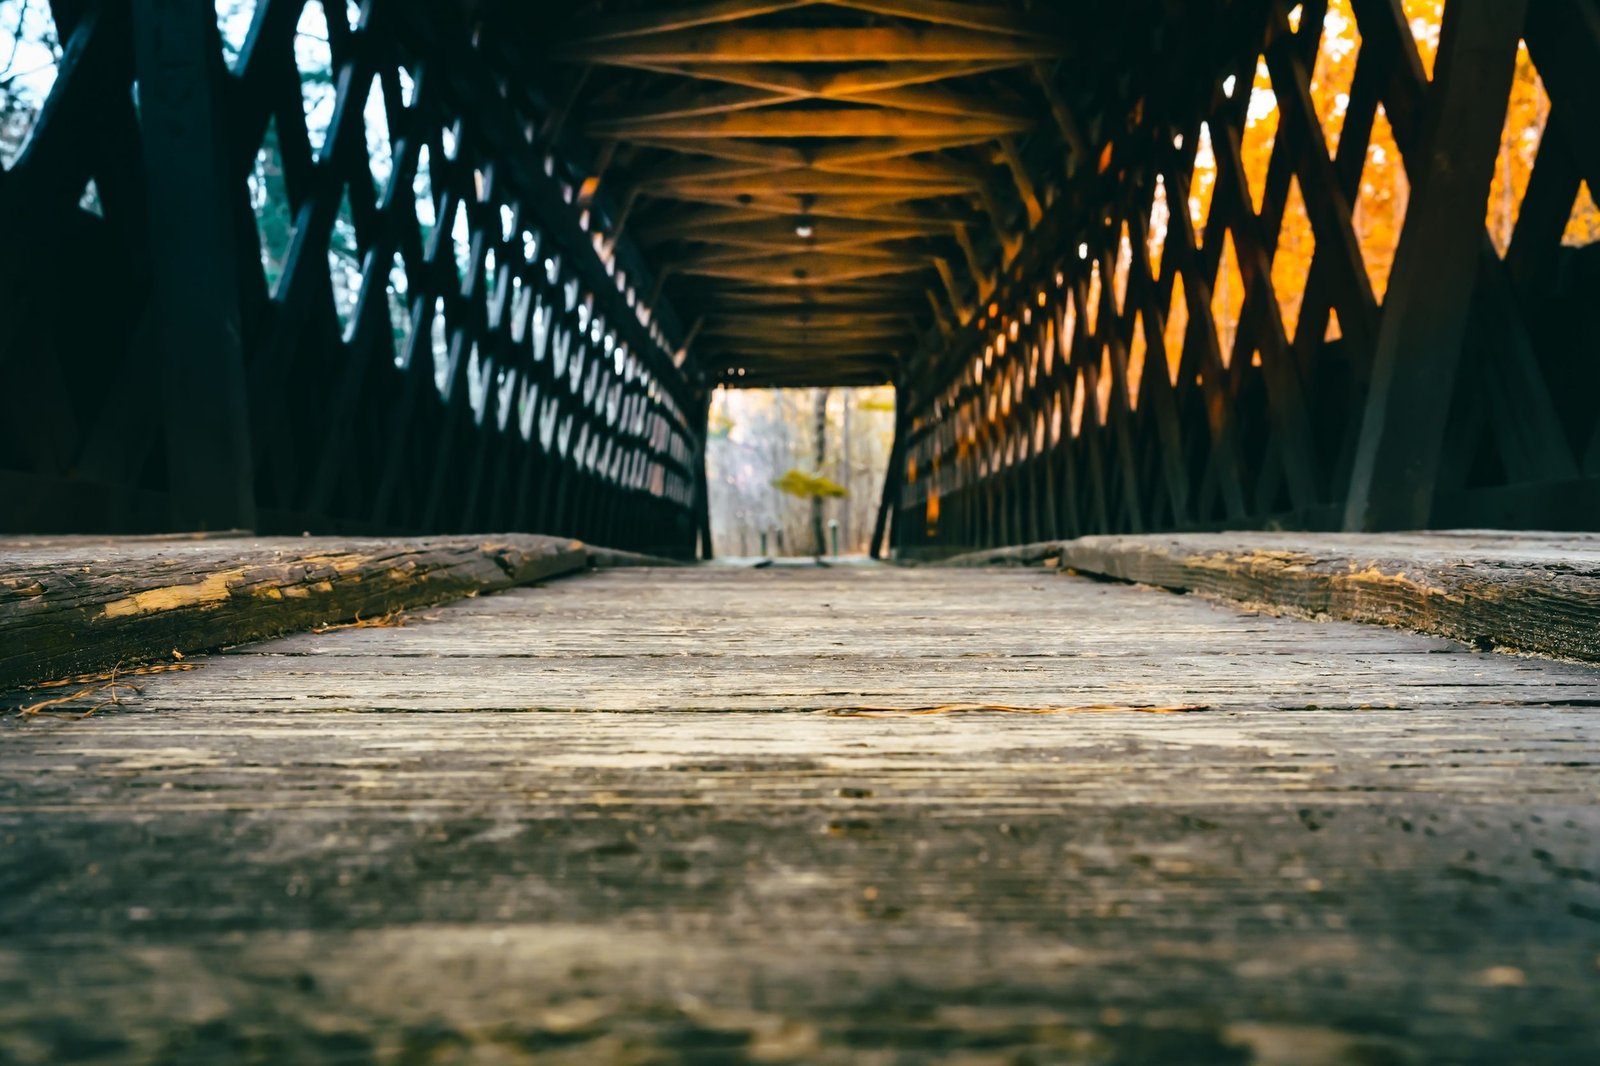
1163,366
429,335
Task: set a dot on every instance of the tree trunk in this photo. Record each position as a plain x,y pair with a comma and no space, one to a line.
818,534
847,479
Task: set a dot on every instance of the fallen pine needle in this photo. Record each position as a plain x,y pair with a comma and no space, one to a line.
114,675
95,684
1001,708
392,620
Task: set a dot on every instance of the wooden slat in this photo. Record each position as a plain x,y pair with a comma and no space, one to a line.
1531,592
1426,309
75,607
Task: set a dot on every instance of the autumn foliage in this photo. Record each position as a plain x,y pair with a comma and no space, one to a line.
1379,211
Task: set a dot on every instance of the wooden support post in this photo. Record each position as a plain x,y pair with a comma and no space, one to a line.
1020,175
194,267
1425,315
1065,120
702,487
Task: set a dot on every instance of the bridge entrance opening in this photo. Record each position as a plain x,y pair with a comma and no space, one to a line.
409,405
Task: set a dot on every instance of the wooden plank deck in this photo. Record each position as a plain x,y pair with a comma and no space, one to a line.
1367,847
1521,591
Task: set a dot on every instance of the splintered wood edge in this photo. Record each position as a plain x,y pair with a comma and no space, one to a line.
60,624
1502,607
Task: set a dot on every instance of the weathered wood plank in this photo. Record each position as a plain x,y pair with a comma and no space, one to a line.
71,606
1039,554
230,866
807,639
1526,592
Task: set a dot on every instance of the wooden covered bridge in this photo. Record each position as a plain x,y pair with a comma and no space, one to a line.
368,692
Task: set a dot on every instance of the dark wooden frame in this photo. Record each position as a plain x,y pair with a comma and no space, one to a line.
156,381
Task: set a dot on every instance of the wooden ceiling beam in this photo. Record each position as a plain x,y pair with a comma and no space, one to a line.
817,319
796,248
693,171
883,294
618,27
694,105
885,77
806,270
767,334
822,44
1024,181
939,168
808,183
683,224
841,85
812,123
922,98
879,148
898,207
686,224
988,18
769,156
825,232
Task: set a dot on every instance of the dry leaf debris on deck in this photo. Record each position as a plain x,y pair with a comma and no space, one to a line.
1001,708
97,684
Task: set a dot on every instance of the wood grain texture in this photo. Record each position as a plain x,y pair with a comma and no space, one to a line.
1374,847
1526,592
72,606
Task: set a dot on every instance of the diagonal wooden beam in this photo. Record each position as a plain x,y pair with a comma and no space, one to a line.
987,18
841,85
823,44
817,319
982,278
825,231
807,269
810,183
932,99
696,104
812,123
962,309
685,223
868,150
1024,182
1427,308
699,171
725,257
616,27
768,156
880,206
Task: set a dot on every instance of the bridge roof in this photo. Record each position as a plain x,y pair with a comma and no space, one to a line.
826,182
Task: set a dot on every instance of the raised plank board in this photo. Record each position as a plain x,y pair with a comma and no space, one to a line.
1524,592
1373,847
76,606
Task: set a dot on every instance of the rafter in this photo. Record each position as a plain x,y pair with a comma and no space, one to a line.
840,85
988,18
807,269
616,27
843,44
812,123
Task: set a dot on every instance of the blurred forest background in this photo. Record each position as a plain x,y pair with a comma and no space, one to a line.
757,438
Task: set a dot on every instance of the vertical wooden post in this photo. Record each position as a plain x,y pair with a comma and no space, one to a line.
194,268
845,479
819,459
702,485
1425,313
